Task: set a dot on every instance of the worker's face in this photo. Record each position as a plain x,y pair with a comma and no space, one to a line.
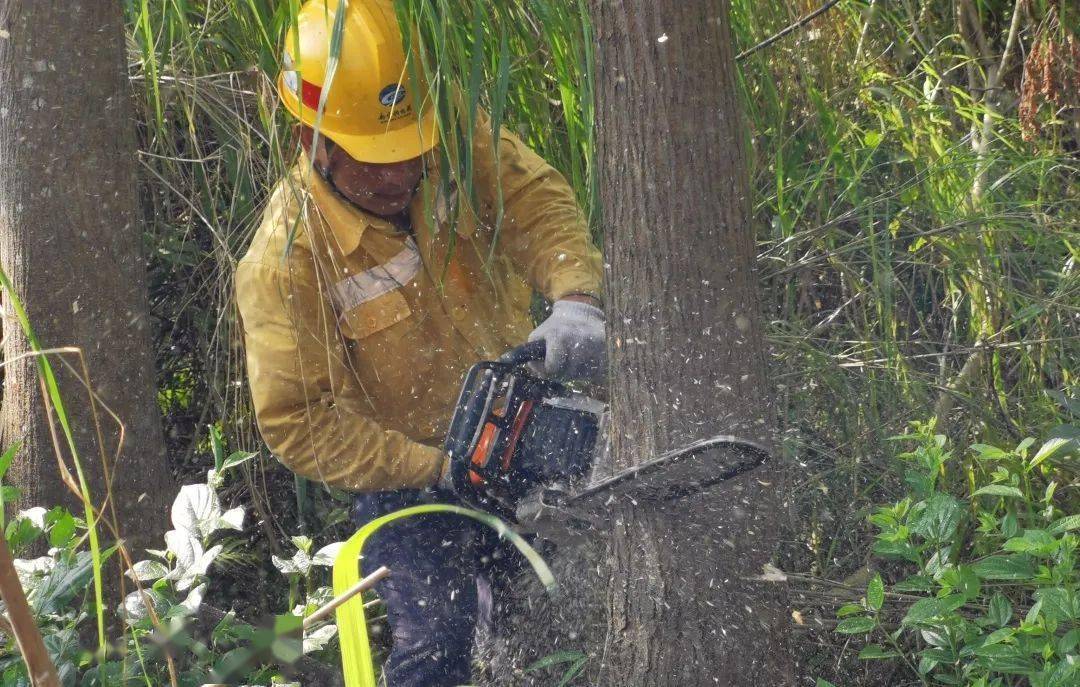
381,189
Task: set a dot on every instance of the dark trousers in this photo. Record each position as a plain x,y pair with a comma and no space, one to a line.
442,572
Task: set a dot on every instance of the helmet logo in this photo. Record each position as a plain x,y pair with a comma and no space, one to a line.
290,80
392,95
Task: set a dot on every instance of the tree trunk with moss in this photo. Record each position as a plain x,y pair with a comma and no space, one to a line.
71,243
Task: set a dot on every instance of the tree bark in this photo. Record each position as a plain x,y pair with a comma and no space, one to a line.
687,352
71,243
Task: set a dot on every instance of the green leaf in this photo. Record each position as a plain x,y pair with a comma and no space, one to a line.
1066,524
217,446
63,530
1005,658
1010,527
855,626
968,583
823,683
1035,542
999,490
875,593
849,609
999,611
1018,567
1069,641
9,494
8,457
1053,448
1057,603
925,610
989,452
876,652
236,458
939,518
68,578
892,549
557,658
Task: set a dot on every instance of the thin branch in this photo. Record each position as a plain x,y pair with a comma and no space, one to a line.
791,29
39,666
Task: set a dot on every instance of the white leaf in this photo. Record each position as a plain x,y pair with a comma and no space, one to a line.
184,547
232,519
197,569
299,563
196,510
327,554
194,599
27,569
135,608
284,565
320,597
145,571
35,515
319,638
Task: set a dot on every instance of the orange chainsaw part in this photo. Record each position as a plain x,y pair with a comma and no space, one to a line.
480,456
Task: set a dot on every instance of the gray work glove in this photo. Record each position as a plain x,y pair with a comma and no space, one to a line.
576,341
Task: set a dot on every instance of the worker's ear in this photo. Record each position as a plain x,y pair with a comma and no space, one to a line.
307,139
306,135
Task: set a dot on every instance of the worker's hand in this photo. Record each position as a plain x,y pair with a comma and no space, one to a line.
576,339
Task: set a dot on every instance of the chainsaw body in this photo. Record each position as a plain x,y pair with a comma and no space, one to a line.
525,449
513,432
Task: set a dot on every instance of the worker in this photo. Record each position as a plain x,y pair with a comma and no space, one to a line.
372,285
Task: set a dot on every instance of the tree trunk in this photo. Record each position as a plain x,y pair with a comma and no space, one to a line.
687,352
71,243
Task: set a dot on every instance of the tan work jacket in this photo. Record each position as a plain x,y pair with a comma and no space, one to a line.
358,334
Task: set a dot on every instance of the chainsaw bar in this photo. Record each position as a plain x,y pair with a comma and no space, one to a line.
554,512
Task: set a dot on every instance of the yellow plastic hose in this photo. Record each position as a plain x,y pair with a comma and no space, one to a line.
356,660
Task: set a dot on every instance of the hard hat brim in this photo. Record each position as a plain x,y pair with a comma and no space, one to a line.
393,145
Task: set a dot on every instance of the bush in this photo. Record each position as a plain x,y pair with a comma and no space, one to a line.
989,541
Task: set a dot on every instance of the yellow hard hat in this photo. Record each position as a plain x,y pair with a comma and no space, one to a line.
370,110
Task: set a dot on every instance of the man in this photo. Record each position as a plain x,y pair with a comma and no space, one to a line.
364,304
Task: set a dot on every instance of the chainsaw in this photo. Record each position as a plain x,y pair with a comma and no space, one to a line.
530,449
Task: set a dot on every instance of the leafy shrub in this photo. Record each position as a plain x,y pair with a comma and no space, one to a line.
173,581
993,597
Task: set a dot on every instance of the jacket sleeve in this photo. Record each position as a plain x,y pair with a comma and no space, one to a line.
543,230
309,408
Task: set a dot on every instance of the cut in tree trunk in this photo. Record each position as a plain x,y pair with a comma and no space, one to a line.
71,243
687,352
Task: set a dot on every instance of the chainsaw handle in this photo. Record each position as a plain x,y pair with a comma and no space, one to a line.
533,351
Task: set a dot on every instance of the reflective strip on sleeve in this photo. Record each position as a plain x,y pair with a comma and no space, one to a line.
377,281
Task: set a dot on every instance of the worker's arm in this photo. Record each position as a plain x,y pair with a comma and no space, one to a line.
543,231
309,407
